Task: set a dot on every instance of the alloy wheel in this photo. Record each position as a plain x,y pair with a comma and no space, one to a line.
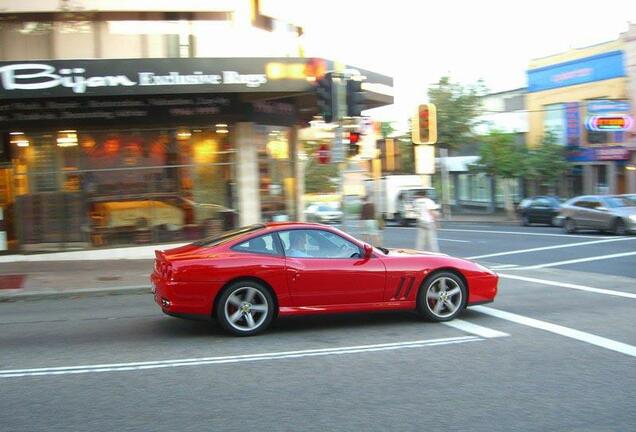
443,297
246,309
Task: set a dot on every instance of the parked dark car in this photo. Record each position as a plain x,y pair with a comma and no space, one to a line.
542,209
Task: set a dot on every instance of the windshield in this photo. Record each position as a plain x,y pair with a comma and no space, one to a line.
228,235
325,208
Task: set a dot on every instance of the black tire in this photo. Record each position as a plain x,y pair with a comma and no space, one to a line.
525,220
569,226
431,287
619,227
241,326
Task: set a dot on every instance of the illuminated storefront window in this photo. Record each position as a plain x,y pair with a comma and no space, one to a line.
115,187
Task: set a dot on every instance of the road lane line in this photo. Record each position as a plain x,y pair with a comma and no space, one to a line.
569,285
453,240
475,329
543,248
578,260
502,266
117,367
592,339
525,233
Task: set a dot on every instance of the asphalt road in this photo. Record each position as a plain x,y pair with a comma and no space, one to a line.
555,352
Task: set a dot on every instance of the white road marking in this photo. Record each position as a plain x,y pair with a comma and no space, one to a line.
569,285
525,233
502,266
119,367
520,251
578,260
475,329
453,240
592,339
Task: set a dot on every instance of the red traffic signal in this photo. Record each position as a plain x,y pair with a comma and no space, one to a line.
424,127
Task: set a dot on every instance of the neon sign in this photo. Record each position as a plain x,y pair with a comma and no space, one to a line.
611,123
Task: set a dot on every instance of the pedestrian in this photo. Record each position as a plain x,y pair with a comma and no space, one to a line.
428,214
369,225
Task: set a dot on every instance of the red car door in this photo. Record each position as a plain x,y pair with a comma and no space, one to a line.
324,268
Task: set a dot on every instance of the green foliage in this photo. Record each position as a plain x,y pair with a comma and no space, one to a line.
319,178
501,156
458,107
407,162
547,163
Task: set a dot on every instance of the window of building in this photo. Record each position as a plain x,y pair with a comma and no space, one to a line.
554,121
275,172
110,187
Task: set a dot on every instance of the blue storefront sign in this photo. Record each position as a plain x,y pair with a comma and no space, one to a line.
594,68
606,106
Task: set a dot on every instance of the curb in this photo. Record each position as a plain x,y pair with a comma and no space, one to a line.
13,295
475,221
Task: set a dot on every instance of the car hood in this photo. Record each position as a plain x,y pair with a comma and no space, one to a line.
624,211
396,252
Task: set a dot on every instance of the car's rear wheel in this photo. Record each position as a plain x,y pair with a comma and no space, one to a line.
245,308
569,226
442,296
619,227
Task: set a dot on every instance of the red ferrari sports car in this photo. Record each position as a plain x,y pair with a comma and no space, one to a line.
247,277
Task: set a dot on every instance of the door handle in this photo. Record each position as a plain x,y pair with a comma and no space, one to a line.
294,274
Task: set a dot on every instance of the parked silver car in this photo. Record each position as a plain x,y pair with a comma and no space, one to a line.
599,212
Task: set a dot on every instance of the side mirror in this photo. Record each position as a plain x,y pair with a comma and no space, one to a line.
368,250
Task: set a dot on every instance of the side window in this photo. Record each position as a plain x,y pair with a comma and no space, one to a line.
593,204
581,203
541,202
264,244
317,244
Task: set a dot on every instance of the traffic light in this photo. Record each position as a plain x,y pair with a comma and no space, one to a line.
354,144
324,93
355,98
424,125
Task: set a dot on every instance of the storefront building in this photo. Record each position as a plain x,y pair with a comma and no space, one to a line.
100,152
565,93
629,38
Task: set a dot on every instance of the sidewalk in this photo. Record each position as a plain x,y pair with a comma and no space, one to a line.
55,279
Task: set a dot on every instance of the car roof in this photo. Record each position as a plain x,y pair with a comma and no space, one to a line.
289,225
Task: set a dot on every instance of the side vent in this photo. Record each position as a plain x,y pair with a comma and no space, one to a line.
405,284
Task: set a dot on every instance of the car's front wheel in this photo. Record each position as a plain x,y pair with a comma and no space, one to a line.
442,296
245,308
619,227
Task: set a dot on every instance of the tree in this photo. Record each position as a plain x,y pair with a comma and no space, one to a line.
502,157
458,107
319,178
547,163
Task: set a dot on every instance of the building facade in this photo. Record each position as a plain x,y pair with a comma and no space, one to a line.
146,125
629,38
503,111
566,92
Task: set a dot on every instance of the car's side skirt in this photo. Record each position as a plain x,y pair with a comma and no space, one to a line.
346,308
